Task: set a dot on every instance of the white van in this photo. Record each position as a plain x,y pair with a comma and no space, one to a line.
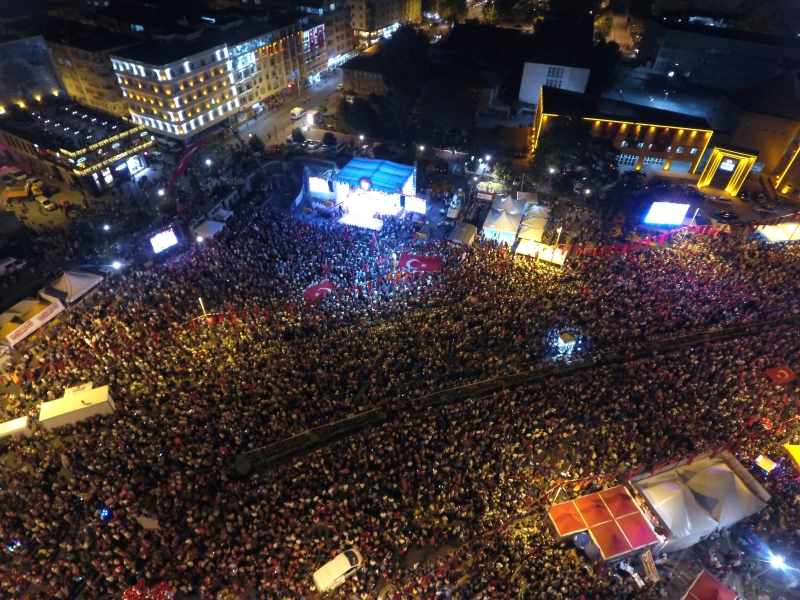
333,574
297,113
9,265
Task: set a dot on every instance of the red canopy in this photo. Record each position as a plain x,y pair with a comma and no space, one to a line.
610,539
619,501
567,519
708,587
637,529
593,510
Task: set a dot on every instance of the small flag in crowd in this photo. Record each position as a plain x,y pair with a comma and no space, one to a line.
315,292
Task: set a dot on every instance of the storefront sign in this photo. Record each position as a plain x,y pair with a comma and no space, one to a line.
34,323
650,566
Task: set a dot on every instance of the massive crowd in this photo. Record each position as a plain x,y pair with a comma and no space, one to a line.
191,395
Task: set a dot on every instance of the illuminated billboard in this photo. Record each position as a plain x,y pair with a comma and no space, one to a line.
666,213
162,241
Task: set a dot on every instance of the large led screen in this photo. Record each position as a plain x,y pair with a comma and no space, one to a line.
416,205
162,241
666,213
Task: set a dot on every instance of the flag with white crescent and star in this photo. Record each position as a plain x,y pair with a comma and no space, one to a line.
781,375
316,292
415,262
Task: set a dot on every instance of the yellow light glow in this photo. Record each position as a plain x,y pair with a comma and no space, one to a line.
786,189
38,98
55,92
2,110
22,105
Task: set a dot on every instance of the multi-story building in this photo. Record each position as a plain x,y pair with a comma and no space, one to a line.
186,85
74,143
374,19
561,57
338,33
364,75
30,75
81,57
725,59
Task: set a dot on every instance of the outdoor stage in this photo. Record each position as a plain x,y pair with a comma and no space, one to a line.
363,221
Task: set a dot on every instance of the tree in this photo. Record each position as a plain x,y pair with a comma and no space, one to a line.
447,106
168,207
491,15
194,182
256,143
582,6
639,9
360,115
568,147
503,170
329,139
405,60
298,137
608,70
396,113
602,26
453,10
773,17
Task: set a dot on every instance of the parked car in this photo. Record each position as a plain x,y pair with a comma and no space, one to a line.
7,179
760,198
743,195
50,191
695,194
9,265
767,209
720,200
45,203
340,87
634,175
725,216
312,144
517,182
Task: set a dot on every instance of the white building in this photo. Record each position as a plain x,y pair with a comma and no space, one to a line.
535,75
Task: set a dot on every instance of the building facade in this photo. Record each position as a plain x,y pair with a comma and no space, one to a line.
364,75
536,75
87,72
724,59
184,87
373,19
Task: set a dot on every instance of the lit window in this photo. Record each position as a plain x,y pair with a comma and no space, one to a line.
679,150
693,151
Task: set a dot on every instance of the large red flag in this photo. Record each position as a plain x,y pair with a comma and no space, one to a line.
415,262
781,375
315,292
183,161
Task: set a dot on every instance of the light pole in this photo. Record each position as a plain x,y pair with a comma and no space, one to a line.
558,239
205,314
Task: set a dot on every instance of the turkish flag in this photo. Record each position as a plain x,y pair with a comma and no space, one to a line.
414,262
781,375
183,161
316,292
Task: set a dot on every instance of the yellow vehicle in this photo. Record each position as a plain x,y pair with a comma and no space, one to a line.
16,191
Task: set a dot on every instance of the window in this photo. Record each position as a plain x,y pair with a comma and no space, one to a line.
626,160
692,150
191,66
623,144
555,72
202,62
556,83
640,145
679,150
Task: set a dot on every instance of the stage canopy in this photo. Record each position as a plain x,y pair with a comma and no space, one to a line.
463,233
70,287
508,204
208,228
783,232
528,197
694,500
708,587
614,521
501,226
381,175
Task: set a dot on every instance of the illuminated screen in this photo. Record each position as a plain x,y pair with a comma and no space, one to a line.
416,205
162,241
666,213
318,185
728,164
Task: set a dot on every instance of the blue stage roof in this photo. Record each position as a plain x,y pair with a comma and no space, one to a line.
385,176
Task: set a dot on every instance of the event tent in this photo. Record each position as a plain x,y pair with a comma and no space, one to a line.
528,197
694,500
208,228
782,232
508,204
16,427
534,222
501,226
708,587
70,287
613,519
76,407
381,175
463,233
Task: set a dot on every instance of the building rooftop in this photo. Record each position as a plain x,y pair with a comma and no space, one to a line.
61,124
777,97
33,69
564,103
84,37
369,63
476,45
162,52
728,33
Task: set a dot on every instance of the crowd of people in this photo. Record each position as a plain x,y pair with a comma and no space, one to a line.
423,496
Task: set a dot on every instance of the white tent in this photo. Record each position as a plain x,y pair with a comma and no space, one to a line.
694,500
463,233
70,287
529,197
537,211
501,226
508,204
76,407
783,232
208,228
15,427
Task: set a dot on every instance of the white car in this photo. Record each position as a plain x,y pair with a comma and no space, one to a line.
340,87
45,203
312,144
9,265
720,200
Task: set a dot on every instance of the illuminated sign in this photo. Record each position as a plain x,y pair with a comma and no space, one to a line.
416,205
81,159
143,134
116,145
365,183
728,164
121,167
317,185
666,213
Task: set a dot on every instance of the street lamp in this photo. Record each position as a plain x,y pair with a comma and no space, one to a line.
160,192
422,148
116,264
552,170
488,158
199,239
588,191
208,162
558,239
361,137
106,227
